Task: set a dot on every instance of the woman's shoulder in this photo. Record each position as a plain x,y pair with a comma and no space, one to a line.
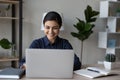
62,39
37,43
65,43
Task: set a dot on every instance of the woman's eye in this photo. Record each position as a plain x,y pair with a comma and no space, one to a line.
47,27
55,28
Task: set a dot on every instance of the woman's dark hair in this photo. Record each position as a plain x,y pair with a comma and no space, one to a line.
52,15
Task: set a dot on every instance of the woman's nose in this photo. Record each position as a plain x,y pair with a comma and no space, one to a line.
51,30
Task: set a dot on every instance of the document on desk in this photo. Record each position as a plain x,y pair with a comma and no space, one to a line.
93,72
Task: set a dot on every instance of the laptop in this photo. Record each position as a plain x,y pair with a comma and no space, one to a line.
49,63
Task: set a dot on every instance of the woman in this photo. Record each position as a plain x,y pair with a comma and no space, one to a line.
52,24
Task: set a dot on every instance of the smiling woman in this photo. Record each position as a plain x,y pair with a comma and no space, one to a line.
52,24
51,30
61,15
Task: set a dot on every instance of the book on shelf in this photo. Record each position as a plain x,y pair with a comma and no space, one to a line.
93,72
15,73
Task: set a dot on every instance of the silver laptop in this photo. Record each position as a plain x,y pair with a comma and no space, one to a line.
49,63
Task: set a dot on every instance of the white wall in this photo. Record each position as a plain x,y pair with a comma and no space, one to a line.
32,14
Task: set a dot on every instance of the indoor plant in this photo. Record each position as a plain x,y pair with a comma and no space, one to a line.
109,62
7,10
85,28
6,44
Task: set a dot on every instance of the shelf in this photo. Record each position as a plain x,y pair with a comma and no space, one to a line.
114,17
9,18
114,1
113,47
110,32
108,8
8,59
110,40
14,61
8,1
15,18
113,33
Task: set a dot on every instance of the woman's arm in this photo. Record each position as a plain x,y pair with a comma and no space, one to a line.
22,64
77,63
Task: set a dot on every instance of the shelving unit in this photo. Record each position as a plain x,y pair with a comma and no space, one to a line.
13,19
110,39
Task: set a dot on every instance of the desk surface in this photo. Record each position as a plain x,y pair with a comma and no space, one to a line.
79,77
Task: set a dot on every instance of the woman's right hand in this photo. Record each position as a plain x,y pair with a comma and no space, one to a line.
23,66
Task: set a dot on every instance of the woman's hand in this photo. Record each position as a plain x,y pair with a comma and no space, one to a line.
23,66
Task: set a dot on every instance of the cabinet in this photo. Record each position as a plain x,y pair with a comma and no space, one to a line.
16,8
110,38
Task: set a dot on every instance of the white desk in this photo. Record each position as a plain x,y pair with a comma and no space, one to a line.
78,77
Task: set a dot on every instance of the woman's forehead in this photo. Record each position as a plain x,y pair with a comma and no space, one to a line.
52,23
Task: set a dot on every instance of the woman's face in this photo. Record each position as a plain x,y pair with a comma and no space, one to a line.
51,29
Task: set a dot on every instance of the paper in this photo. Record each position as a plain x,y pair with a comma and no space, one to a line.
92,72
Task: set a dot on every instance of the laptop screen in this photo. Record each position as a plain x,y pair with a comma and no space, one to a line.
49,63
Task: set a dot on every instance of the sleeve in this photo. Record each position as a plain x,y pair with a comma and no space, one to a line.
21,62
35,44
77,63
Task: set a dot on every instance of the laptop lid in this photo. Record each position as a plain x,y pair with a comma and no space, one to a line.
49,63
